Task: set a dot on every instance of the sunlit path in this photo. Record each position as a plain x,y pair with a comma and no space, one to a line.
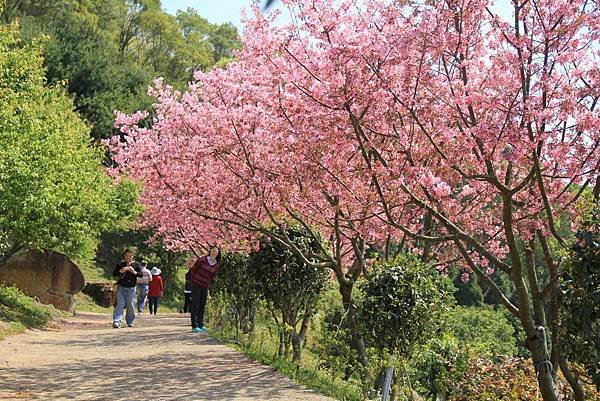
158,359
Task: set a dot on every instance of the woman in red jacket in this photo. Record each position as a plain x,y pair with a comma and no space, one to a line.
155,290
202,273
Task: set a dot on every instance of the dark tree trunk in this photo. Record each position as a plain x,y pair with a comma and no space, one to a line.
298,339
543,367
572,378
358,341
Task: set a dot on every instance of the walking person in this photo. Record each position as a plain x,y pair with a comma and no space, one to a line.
142,287
155,292
187,291
202,273
127,272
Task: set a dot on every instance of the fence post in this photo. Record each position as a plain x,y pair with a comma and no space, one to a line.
387,383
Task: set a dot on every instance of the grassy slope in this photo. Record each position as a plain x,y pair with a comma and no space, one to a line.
19,312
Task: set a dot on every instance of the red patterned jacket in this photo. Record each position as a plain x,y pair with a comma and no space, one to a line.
203,272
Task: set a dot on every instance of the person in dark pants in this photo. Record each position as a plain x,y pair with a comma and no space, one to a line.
127,272
155,290
202,273
187,292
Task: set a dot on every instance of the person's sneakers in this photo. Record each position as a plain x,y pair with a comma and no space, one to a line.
129,325
116,325
202,330
196,330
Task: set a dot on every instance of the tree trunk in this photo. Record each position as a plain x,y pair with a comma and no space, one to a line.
572,378
358,341
542,365
250,324
298,339
281,348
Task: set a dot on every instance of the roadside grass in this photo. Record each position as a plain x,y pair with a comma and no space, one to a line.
93,273
19,312
263,347
85,303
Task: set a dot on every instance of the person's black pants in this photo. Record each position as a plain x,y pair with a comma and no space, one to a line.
187,302
199,296
153,304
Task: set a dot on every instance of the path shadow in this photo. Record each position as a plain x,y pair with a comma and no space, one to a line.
172,376
171,363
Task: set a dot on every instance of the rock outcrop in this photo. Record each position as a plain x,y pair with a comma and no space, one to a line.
102,293
50,276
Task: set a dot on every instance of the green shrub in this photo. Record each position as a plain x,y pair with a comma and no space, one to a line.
485,330
438,365
239,289
580,298
403,301
333,338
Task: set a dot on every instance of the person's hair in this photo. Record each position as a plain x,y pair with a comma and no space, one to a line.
144,263
218,258
127,251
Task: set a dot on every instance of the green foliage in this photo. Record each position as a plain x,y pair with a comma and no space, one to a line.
291,287
286,282
581,298
469,293
83,55
477,293
403,298
439,364
55,192
108,51
236,284
15,306
486,331
502,379
333,338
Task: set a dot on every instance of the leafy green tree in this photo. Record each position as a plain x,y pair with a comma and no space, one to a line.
84,56
581,299
403,302
438,365
54,191
108,51
290,287
236,284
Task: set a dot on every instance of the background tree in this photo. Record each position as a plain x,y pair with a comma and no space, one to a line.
291,287
240,289
108,52
581,298
55,192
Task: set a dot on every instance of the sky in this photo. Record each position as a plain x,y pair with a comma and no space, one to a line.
220,11
216,11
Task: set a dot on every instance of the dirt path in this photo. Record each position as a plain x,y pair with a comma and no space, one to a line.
158,359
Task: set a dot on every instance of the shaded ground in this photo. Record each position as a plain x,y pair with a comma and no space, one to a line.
83,358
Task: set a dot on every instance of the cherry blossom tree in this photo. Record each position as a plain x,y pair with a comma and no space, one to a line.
224,163
440,124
